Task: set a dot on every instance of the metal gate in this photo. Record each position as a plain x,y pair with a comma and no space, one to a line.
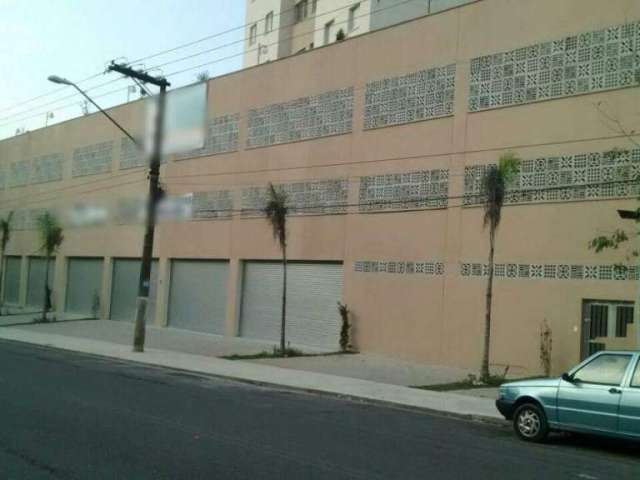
12,268
313,290
35,280
84,285
124,290
198,295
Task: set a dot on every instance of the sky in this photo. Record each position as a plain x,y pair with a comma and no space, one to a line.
76,39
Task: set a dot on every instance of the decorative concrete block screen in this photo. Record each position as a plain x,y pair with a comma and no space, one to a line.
47,168
428,267
588,62
2,177
329,113
551,271
92,159
19,173
27,218
130,155
304,198
401,191
216,204
410,98
585,176
222,137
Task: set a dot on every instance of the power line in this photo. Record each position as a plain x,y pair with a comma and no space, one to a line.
229,57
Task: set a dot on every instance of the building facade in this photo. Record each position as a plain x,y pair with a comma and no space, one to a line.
380,142
279,28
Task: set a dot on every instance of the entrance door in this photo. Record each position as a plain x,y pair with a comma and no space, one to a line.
607,325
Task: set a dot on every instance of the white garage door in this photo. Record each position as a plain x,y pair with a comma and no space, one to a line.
198,295
84,284
12,267
35,281
313,290
124,289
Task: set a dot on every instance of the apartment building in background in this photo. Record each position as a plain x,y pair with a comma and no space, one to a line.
380,142
279,28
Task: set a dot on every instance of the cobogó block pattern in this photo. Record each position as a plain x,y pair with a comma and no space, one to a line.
408,98
401,191
47,168
215,204
428,267
19,173
589,62
222,137
92,159
584,176
551,271
303,198
329,113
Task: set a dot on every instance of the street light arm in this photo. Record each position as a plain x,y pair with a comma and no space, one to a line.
106,114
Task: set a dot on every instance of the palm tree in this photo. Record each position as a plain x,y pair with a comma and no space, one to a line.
275,212
495,181
51,236
5,232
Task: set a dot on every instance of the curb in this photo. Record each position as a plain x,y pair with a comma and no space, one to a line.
303,390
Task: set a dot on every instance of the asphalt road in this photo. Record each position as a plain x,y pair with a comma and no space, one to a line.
70,416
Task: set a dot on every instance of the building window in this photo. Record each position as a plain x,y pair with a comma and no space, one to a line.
302,10
353,14
253,34
327,32
268,22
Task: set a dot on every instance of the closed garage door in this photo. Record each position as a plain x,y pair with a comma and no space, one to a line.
198,295
35,281
12,267
313,290
124,289
84,283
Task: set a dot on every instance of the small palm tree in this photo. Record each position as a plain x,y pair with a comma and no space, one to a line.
275,212
5,232
51,236
495,182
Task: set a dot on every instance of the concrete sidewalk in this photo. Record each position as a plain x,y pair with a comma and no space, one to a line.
447,403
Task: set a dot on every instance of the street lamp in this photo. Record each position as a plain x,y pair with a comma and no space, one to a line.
64,81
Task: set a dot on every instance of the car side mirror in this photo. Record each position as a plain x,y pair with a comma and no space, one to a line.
567,378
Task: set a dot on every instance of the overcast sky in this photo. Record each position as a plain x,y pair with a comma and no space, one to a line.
77,38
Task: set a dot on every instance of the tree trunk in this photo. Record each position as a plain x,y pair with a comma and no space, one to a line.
484,370
45,304
284,302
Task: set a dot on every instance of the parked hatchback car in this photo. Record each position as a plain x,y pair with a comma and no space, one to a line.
601,395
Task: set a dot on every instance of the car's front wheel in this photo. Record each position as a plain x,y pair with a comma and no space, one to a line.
530,423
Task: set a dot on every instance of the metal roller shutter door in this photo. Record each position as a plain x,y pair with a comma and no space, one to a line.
313,290
35,280
84,282
198,295
12,268
124,289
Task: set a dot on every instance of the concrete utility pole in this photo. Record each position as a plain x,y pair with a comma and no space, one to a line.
152,201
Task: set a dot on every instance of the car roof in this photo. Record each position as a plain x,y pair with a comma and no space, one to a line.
632,352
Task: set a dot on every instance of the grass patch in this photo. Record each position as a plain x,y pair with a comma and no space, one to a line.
472,384
289,353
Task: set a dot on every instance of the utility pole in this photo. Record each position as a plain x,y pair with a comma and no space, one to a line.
152,201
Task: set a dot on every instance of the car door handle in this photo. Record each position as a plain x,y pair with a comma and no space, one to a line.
615,390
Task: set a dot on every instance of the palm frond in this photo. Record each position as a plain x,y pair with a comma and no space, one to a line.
5,230
50,232
276,211
495,183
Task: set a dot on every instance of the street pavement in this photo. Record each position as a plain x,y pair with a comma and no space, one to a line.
65,415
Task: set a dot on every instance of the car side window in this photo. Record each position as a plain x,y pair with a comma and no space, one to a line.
635,380
607,369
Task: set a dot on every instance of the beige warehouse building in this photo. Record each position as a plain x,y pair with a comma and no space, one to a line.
380,141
